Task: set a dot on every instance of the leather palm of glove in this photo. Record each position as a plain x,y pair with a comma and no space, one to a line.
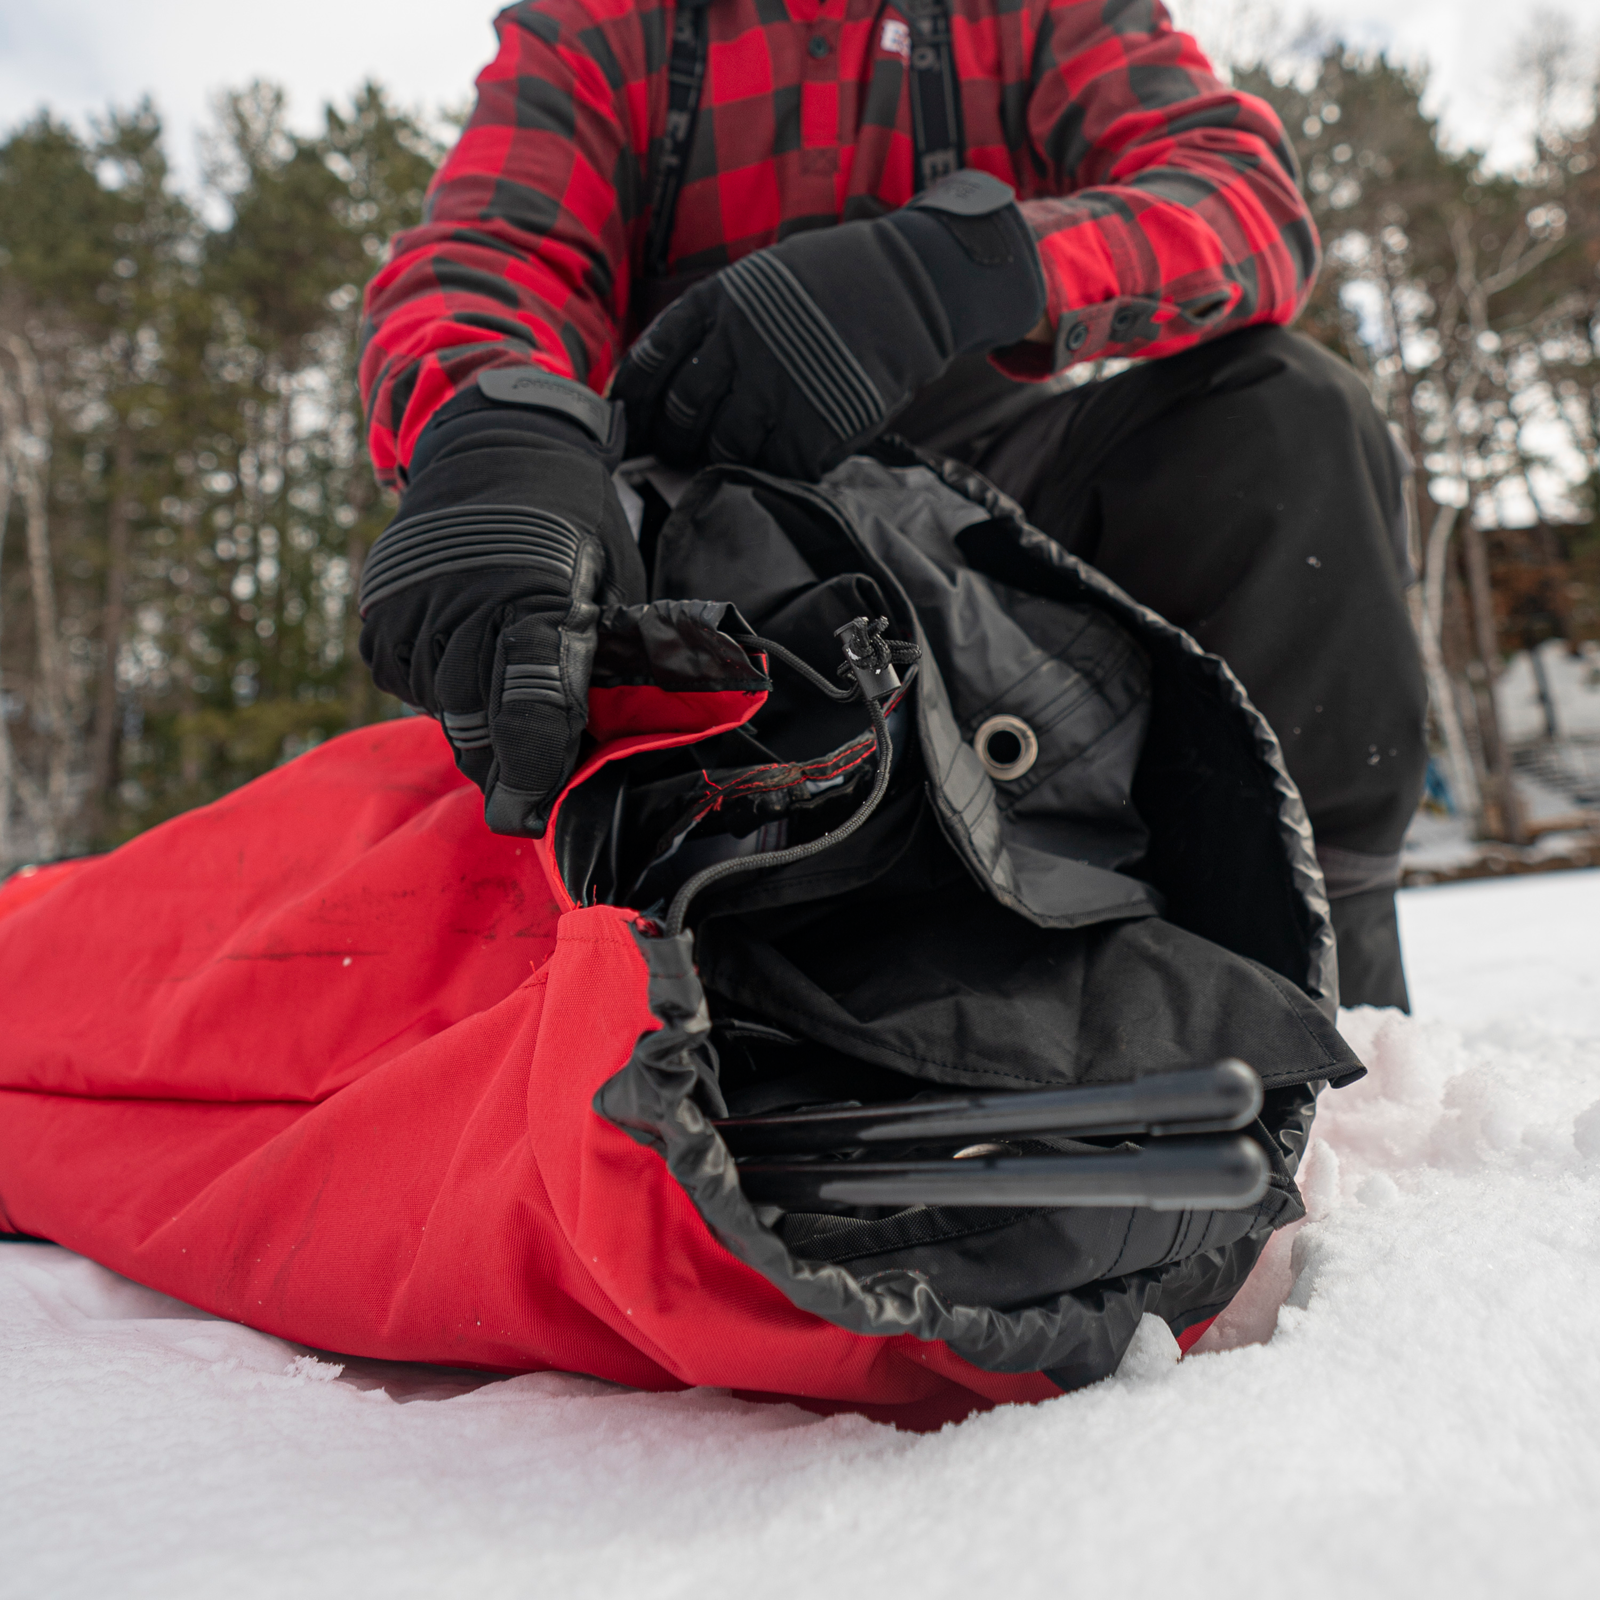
798,354
480,601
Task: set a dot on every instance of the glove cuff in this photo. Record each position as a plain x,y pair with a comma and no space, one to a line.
466,539
497,500
523,402
980,255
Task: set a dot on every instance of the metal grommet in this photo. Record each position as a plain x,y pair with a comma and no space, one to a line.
1006,746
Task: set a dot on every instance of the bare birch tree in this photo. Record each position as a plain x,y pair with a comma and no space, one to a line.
25,421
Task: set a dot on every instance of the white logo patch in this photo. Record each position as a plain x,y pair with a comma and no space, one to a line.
896,39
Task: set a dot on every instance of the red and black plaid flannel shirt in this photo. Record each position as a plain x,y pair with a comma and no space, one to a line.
1165,203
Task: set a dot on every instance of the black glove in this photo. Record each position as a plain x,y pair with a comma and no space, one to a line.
479,601
795,356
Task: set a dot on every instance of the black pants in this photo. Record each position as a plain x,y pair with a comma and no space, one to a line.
1249,492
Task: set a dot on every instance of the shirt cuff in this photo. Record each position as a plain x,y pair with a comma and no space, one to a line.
1127,326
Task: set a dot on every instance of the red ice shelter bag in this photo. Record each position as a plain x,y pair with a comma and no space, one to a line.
330,1058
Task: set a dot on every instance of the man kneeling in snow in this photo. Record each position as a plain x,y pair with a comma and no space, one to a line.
869,217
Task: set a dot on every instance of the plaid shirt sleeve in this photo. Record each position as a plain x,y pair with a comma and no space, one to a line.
529,227
1173,210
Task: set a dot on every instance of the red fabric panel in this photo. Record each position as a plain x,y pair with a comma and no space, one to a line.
632,709
27,884
281,942
320,1058
1190,1337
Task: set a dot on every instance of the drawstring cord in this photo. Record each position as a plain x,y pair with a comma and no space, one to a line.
870,660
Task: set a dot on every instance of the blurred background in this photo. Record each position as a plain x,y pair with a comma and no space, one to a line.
190,203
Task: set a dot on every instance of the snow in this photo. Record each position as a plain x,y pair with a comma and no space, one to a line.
1523,954
1557,780
1574,682
1405,1399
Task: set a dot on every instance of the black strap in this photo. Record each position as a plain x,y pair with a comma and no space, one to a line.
938,139
686,70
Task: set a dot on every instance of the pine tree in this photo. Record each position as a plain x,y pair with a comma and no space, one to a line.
182,615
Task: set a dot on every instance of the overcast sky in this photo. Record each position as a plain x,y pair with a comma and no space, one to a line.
78,56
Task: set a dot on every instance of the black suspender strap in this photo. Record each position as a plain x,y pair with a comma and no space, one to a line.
940,144
686,69
938,139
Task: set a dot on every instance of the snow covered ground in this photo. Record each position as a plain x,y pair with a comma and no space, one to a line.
1405,1400
1574,684
1557,780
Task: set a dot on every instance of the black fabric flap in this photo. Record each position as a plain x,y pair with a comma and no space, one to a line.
681,645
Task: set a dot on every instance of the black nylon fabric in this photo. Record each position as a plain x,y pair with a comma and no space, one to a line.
949,555
681,645
1142,899
956,1280
973,997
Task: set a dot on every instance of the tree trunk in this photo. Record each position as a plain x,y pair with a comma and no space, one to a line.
1463,777
23,413
1502,818
1541,682
191,748
284,445
106,738
7,781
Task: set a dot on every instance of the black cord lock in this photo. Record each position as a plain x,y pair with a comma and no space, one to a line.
870,658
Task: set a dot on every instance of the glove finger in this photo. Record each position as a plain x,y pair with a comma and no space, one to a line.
532,730
741,431
388,645
540,701
653,361
468,733
461,681
389,657
693,399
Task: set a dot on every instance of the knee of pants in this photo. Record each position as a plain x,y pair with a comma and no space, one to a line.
1281,465
1290,370
1345,430
1293,579
1294,412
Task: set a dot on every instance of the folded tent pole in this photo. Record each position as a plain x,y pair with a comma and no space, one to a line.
1217,1099
1175,1173
1220,1173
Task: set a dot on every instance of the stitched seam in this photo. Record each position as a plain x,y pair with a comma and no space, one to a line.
1285,989
1127,1233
